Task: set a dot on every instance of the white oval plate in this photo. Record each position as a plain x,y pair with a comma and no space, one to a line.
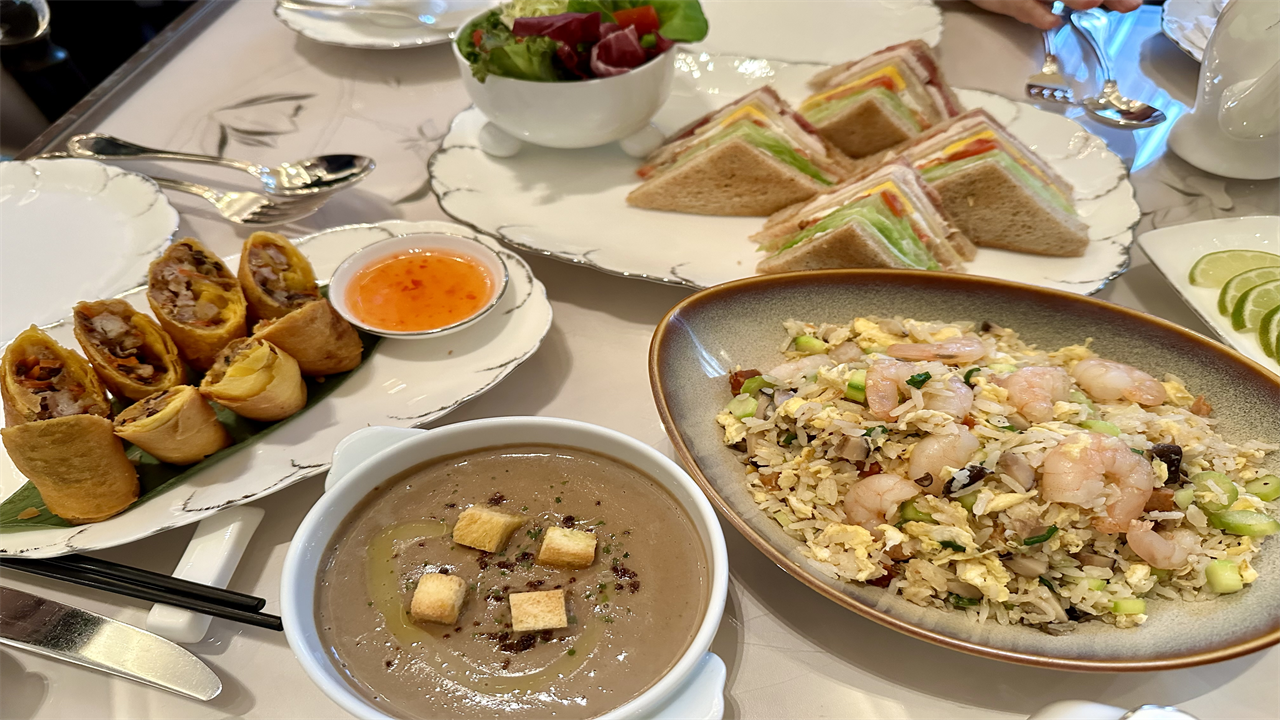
1188,24
354,31
74,230
1173,250
820,31
404,383
571,205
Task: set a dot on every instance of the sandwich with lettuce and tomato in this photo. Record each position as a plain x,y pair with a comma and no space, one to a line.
999,192
883,100
888,218
568,40
754,156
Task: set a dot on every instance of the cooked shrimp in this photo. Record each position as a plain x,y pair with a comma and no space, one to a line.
1079,470
1109,380
1167,551
871,500
887,384
935,452
953,352
1034,390
846,352
793,371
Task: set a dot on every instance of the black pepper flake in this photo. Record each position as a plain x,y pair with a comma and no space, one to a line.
597,502
457,629
556,587
505,565
451,505
573,580
524,557
567,521
617,586
443,571
534,584
447,636
623,572
497,499
389,663
633,586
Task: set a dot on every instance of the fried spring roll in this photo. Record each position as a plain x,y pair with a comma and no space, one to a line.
77,464
257,380
42,380
277,279
176,426
316,336
197,301
133,356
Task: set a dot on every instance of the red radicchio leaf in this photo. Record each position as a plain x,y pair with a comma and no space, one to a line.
607,29
575,62
617,53
571,29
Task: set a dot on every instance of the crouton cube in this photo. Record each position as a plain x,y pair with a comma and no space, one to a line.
569,549
438,598
538,610
485,529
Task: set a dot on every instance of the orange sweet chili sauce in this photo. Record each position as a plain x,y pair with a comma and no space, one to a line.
419,289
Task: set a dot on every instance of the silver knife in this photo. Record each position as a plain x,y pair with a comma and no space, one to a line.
50,628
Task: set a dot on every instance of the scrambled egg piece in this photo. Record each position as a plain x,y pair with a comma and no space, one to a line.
792,406
1247,573
735,431
1139,578
984,389
987,574
1178,394
1128,621
1004,501
848,547
823,419
1072,354
871,336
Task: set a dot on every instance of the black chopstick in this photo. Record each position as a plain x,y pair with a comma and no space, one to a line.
106,568
88,579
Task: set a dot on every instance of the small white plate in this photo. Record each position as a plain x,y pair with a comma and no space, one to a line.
1188,24
402,384
571,204
370,32
391,247
74,230
820,31
1173,250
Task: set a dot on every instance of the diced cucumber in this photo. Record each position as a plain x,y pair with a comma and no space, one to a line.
1081,399
1095,583
1245,522
968,501
782,518
1184,496
1224,577
753,385
1101,426
1214,483
911,513
856,389
810,345
1161,574
1267,488
1129,606
742,406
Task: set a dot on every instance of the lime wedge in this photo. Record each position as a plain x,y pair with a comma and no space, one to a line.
1269,333
1237,286
1216,268
1254,303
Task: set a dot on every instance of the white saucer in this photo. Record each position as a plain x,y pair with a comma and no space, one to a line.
355,31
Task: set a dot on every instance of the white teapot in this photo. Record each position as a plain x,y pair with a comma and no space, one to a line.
1234,128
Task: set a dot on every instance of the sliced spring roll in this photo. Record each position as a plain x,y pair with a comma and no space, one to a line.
316,336
76,463
197,301
134,357
277,279
176,426
42,380
257,380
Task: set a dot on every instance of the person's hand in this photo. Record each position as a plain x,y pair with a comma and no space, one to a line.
1037,13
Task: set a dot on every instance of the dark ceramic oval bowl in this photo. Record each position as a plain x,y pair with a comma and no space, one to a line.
712,332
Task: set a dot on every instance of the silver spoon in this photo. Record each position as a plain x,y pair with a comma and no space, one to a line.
436,15
312,176
1109,106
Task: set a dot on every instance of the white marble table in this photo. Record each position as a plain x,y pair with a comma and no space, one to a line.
790,653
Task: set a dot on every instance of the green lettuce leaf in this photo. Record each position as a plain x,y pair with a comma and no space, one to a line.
874,217
528,60
891,99
1027,179
765,140
682,20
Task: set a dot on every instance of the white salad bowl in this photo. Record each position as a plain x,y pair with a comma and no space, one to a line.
364,460
572,114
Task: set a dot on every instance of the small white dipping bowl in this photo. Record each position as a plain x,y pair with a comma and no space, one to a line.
364,460
370,254
572,114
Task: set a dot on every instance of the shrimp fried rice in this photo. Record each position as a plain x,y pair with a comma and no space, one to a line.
963,469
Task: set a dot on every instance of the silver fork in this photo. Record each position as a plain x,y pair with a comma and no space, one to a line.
244,207
1049,84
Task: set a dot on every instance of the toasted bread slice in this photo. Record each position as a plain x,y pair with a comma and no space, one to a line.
732,178
848,246
866,127
994,210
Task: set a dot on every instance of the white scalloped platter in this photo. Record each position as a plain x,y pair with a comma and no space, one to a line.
98,227
404,383
570,204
